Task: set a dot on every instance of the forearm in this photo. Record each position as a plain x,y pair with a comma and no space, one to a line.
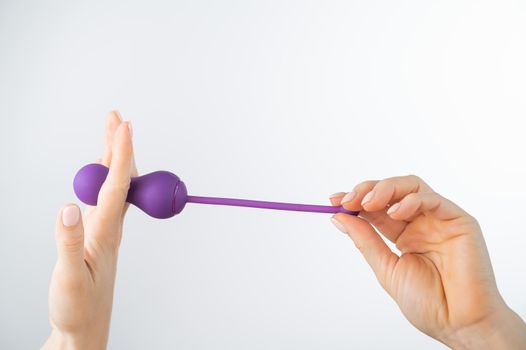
506,330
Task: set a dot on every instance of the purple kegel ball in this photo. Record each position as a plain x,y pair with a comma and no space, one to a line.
160,194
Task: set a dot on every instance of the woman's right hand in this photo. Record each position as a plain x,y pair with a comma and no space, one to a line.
443,280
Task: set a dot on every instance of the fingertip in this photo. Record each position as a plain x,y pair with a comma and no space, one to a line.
337,194
367,199
336,198
113,120
69,223
393,209
352,200
70,215
338,224
122,139
69,235
130,128
351,206
114,116
352,223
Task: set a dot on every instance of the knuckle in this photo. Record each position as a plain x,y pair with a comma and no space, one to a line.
472,220
362,186
71,244
386,186
385,183
359,246
414,178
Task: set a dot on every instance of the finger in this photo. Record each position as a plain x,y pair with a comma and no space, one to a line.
336,198
389,227
134,173
69,236
377,254
112,196
113,120
392,190
352,200
427,203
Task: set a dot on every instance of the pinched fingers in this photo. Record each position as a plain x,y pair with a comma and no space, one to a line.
388,226
352,200
392,190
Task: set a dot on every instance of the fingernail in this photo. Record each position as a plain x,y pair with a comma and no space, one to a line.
367,198
348,197
393,208
70,215
337,194
338,225
130,128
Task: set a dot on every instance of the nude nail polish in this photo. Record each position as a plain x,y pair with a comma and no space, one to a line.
70,215
393,208
348,197
367,198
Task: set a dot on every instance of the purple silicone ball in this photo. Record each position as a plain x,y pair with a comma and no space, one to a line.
160,194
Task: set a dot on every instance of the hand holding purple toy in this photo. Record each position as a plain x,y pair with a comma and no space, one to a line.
443,282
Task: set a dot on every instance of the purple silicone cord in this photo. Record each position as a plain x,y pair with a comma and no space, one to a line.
269,205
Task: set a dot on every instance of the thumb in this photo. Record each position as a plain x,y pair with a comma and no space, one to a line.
69,234
373,248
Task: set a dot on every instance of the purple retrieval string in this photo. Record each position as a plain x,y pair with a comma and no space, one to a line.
269,205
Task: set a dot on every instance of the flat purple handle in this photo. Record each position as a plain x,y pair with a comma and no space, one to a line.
162,194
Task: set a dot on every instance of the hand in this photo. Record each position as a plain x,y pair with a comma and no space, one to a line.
443,280
81,291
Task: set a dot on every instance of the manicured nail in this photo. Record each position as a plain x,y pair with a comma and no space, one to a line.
338,225
130,128
70,215
348,197
367,198
393,208
337,194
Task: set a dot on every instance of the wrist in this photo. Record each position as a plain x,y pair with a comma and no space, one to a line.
63,341
504,329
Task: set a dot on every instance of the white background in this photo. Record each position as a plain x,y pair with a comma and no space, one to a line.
275,100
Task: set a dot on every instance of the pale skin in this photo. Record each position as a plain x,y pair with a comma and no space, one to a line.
81,290
442,281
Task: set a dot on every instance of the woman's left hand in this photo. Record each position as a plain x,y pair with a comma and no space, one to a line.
81,291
